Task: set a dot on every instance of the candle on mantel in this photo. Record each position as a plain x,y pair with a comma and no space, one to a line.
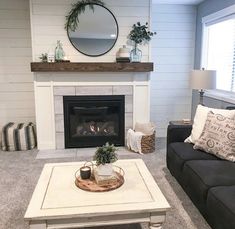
85,172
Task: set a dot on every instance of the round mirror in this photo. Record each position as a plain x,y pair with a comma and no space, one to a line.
97,31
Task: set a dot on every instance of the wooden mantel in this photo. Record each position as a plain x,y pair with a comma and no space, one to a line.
91,67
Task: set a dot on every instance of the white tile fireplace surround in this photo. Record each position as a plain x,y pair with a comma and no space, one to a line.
51,87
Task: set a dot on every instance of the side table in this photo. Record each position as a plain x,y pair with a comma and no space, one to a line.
178,131
180,123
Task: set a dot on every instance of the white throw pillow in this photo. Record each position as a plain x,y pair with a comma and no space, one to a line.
200,120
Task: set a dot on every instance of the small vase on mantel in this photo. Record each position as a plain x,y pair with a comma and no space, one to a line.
136,54
59,52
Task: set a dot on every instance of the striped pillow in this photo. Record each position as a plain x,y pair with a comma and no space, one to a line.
16,137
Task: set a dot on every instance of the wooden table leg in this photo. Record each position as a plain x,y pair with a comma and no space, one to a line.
155,226
156,220
37,225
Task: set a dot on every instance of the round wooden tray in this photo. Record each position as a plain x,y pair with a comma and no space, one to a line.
91,185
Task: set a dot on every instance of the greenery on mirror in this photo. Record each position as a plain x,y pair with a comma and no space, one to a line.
105,154
72,18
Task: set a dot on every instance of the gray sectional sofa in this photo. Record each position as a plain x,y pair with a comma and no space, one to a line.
207,180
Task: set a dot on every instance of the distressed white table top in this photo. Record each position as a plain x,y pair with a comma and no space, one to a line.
56,195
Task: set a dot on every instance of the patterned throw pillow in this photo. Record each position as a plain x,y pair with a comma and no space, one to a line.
200,120
218,137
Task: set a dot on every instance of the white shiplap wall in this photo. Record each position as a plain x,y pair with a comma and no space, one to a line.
172,51
173,54
16,80
48,19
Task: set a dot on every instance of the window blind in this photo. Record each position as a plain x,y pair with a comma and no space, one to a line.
220,52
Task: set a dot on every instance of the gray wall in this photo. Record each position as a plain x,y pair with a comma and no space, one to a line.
172,52
205,8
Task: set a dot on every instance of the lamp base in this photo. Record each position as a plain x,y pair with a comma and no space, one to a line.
201,94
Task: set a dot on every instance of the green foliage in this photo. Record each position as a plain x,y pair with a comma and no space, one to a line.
43,57
105,154
72,19
140,34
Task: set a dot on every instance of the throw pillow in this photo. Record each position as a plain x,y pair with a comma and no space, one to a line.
200,120
20,136
218,137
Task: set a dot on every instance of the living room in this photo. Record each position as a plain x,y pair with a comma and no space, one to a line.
51,80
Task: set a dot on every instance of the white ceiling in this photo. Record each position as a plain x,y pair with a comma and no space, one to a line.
184,2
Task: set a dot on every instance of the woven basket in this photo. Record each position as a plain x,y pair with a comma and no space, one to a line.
148,143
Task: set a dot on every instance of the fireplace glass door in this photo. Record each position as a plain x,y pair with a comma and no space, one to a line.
92,121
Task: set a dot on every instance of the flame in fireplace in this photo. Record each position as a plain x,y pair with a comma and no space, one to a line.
96,128
92,128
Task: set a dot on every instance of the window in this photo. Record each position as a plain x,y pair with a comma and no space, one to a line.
219,50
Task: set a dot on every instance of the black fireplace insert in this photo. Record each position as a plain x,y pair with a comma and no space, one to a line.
91,121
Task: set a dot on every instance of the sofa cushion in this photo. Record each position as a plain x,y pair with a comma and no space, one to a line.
200,175
221,207
179,152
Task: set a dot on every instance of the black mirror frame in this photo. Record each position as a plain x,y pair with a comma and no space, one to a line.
113,43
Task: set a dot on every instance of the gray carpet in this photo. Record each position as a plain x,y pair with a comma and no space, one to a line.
19,172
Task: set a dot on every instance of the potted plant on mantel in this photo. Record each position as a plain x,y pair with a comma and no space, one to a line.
104,157
139,35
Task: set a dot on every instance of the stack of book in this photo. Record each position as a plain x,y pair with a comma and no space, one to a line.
123,55
123,60
105,180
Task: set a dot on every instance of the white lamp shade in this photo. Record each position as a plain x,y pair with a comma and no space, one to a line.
203,79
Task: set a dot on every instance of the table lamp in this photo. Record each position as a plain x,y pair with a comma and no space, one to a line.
201,80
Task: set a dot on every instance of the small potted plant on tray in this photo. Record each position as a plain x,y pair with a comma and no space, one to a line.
104,157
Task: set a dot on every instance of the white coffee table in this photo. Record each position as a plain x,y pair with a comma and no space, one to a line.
58,203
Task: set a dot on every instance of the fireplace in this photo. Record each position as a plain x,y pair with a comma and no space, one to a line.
94,120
